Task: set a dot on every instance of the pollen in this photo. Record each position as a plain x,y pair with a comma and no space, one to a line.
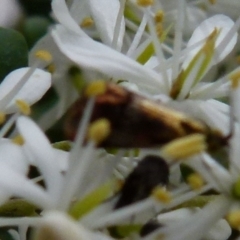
51,68
44,56
185,147
233,219
195,181
159,16
162,195
19,140
145,3
95,88
2,117
99,130
23,106
235,78
87,22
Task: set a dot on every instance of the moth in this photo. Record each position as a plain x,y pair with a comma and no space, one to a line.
148,174
137,121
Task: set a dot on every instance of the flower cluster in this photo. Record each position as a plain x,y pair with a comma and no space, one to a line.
149,95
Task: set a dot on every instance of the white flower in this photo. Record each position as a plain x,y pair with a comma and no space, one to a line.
162,77
219,230
223,179
59,226
19,85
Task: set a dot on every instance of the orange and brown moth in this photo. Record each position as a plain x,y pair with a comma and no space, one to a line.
137,121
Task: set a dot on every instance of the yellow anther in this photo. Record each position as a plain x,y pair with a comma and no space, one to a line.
195,181
212,1
2,117
99,130
233,219
145,3
185,147
159,16
19,140
162,195
95,88
23,106
51,68
235,78
44,56
87,22
159,29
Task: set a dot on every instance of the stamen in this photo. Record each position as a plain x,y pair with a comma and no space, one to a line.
137,37
2,117
185,147
87,22
8,125
95,88
195,181
233,219
178,38
19,140
23,106
235,79
44,56
158,48
118,24
145,3
99,130
159,16
162,195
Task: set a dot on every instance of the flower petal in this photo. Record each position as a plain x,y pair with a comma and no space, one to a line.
62,14
221,22
59,226
31,92
13,155
15,184
104,13
37,146
94,55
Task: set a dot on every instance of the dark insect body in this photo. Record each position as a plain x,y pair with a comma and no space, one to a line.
149,173
137,121
149,227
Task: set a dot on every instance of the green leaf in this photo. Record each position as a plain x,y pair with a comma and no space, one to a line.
13,51
34,28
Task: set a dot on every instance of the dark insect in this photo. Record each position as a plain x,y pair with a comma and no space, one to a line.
137,121
149,227
149,173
